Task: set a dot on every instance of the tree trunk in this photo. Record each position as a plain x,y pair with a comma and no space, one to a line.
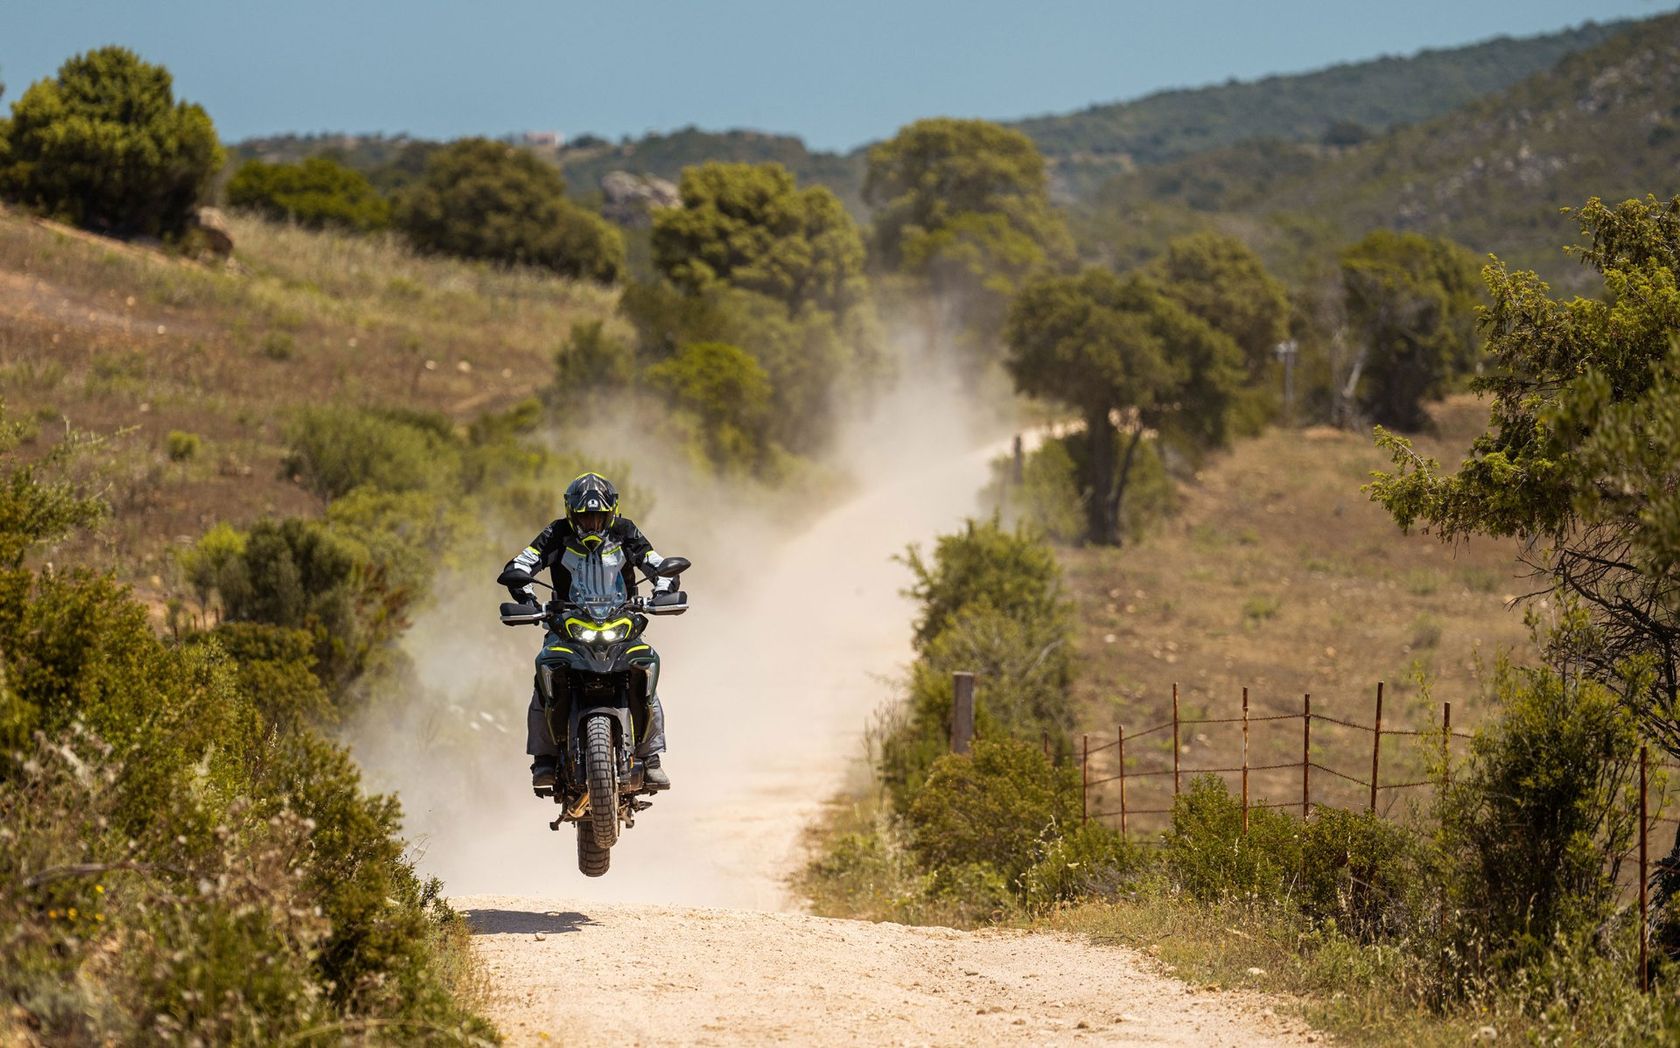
1120,483
1099,516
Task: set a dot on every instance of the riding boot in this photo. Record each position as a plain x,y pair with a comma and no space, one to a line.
653,744
545,754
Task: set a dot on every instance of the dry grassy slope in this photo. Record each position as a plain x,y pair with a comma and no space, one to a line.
116,338
1280,575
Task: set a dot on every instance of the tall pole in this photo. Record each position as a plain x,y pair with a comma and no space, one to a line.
1376,746
1245,762
1446,742
1306,754
1120,745
1175,738
962,711
1084,779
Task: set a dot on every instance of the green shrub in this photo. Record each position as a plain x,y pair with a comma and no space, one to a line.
727,395
998,806
590,360
278,345
483,199
1530,824
315,192
1209,857
182,446
105,145
333,450
1047,498
1014,572
1091,862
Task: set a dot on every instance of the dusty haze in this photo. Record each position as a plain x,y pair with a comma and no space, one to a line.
794,634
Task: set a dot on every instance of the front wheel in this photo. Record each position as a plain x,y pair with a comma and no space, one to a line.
593,859
601,766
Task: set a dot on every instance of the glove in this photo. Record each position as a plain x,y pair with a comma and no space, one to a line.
527,599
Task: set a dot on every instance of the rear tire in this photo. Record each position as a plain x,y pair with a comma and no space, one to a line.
593,859
601,766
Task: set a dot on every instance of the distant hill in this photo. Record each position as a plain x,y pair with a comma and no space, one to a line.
1492,174
1344,103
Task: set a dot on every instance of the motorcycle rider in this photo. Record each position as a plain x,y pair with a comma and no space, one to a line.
592,523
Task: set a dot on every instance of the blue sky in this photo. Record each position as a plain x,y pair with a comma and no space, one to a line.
839,73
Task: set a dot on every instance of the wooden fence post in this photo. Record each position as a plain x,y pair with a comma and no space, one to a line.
1306,754
1376,747
1245,762
1120,745
1085,779
1047,743
1644,882
1175,738
962,711
1446,742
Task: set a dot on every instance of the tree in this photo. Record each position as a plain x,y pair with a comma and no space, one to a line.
749,226
315,192
1581,457
483,199
1121,348
1411,303
105,145
964,205
1221,280
727,393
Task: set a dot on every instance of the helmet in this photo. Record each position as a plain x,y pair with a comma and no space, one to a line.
591,506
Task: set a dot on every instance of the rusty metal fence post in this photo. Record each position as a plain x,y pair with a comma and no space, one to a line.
1120,746
1084,779
1644,881
1306,754
1245,762
1376,747
1175,739
962,711
1446,742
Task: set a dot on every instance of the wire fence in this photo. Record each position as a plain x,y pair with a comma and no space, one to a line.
1105,771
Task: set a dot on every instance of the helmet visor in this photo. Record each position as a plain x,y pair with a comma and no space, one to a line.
591,521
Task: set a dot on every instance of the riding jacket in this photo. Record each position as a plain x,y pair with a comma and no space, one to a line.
550,550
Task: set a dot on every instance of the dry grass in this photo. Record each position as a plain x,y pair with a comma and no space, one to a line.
1280,575
119,339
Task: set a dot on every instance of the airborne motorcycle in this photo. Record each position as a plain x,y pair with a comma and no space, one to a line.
594,676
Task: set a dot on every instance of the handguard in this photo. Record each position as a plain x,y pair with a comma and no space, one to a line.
520,614
674,602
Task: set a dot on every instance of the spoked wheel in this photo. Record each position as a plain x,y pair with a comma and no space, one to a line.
593,859
601,766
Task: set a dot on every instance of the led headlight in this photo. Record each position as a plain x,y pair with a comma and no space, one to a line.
586,635
610,635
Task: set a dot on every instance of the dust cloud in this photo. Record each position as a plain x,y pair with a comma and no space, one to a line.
795,631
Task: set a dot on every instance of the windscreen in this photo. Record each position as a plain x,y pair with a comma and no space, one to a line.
597,578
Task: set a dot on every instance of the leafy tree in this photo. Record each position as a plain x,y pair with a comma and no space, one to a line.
964,204
750,226
1121,348
1411,304
483,199
105,145
1221,280
727,392
315,192
1582,454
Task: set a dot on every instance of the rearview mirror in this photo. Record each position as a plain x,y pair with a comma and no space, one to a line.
515,577
670,567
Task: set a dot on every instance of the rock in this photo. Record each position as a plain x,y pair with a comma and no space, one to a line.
631,199
212,228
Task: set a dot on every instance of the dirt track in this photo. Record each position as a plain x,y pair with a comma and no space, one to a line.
730,977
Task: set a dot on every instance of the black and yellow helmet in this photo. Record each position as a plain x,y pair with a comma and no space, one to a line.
591,505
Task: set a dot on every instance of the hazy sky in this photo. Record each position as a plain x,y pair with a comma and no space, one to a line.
839,72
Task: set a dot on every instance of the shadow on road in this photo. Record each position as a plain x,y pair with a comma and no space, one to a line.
516,922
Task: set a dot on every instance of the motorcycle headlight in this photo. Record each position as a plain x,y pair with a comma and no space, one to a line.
611,635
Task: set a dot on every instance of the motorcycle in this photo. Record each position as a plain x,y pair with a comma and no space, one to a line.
594,676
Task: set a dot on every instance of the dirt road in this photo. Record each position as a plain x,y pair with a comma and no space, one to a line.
734,977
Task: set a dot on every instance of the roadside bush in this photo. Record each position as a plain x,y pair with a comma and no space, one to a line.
726,394
1013,572
1529,827
274,667
1047,498
591,359
333,450
1000,805
1208,856
483,199
315,192
105,145
1090,862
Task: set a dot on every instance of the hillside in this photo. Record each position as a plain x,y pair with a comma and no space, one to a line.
1341,104
126,342
1085,148
1492,174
